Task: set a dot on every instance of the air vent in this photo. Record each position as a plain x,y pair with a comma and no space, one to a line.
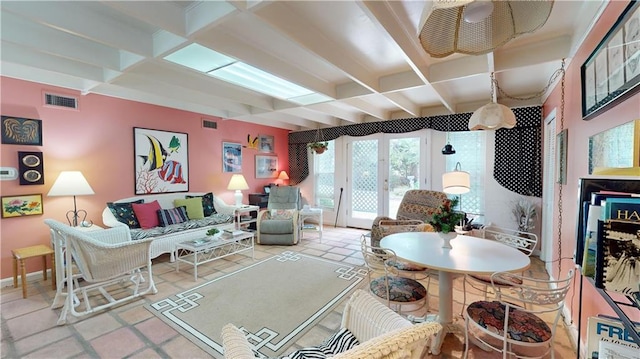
60,101
209,124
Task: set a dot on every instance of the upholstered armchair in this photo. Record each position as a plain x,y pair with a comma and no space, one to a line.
278,224
416,209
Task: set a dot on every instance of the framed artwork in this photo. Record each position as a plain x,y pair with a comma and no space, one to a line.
231,157
561,157
22,205
266,143
617,147
612,72
161,161
266,166
21,131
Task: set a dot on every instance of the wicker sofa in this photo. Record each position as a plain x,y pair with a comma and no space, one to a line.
165,238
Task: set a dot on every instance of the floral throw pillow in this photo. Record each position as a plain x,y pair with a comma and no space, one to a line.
282,213
124,212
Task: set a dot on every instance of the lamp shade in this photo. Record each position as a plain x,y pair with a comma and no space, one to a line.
456,182
237,182
492,116
283,175
476,27
70,183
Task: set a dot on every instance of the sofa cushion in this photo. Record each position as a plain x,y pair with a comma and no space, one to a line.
276,226
207,204
172,216
282,213
147,214
193,205
339,342
215,219
123,211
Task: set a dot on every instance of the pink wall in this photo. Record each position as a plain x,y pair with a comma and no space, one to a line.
579,132
98,140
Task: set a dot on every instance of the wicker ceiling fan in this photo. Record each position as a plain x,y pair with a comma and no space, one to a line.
476,27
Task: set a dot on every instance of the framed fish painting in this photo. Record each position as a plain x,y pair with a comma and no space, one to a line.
161,161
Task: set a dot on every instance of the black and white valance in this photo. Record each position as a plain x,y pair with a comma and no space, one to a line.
518,151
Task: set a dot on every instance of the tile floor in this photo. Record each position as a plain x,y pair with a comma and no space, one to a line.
29,327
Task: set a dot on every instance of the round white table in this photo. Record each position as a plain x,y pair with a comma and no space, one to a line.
469,255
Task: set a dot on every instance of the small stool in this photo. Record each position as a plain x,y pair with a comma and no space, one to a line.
21,254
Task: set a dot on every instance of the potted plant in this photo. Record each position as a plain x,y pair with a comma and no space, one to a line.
318,147
446,219
213,232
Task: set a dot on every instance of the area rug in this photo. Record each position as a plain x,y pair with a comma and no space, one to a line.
275,301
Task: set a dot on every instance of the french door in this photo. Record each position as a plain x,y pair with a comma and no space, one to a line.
381,168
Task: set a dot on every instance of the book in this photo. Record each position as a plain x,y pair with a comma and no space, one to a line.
623,209
604,328
233,232
610,350
618,257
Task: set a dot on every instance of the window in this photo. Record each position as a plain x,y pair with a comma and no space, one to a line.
471,153
324,170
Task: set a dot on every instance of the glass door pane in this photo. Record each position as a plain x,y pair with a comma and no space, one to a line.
364,185
403,170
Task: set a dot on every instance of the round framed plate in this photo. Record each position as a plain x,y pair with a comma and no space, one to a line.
31,160
32,175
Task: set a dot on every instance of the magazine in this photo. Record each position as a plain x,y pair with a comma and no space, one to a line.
609,329
618,257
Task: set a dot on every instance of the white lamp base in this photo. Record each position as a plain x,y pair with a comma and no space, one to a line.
238,196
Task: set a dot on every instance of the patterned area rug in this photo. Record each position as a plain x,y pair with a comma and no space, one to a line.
275,301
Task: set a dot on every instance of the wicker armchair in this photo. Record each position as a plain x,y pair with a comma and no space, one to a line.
381,332
101,259
415,211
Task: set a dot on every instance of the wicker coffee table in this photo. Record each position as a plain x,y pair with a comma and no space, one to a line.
204,250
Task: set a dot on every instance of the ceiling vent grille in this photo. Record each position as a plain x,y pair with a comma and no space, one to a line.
209,124
60,101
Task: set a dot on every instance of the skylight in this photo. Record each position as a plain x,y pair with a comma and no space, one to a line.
228,69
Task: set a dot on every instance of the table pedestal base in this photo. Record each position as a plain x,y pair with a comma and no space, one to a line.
436,342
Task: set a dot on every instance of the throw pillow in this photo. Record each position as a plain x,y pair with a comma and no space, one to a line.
194,207
339,342
172,216
147,214
207,204
123,211
282,213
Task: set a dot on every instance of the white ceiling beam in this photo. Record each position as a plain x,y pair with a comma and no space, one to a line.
316,117
330,108
367,108
39,75
540,52
162,14
74,18
205,14
403,103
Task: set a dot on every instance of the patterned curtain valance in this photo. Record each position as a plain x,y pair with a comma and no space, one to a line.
524,175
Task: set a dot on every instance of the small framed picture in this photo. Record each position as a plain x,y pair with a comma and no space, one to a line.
231,157
22,205
265,143
561,157
21,131
266,166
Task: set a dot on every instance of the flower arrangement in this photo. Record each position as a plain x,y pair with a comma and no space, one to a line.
524,212
446,218
318,147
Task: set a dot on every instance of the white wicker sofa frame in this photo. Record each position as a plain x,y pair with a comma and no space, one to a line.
165,243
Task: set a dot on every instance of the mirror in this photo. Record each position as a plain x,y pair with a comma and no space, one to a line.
616,151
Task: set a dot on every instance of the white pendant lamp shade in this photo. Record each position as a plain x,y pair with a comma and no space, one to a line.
492,116
456,181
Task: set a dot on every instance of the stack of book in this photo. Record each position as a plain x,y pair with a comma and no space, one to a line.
232,232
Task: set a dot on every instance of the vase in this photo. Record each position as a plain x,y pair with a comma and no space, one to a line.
446,238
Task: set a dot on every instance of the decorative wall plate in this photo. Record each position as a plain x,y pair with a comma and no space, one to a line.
32,175
31,160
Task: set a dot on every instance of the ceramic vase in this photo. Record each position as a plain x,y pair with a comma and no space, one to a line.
446,238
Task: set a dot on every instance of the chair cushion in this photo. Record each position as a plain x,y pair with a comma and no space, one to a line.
486,278
339,342
404,290
282,213
147,214
207,204
276,226
193,205
406,266
172,216
523,326
124,213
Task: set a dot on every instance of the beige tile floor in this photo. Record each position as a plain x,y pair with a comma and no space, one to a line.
29,327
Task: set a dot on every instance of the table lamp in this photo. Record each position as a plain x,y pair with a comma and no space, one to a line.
283,176
72,183
238,183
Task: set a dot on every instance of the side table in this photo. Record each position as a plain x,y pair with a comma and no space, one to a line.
244,216
22,254
310,213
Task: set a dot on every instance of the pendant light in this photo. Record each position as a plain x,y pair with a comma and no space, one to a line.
456,181
448,148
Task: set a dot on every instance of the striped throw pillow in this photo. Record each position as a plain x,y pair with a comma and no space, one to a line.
172,216
339,342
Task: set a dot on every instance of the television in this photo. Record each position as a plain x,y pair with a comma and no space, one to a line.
587,186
